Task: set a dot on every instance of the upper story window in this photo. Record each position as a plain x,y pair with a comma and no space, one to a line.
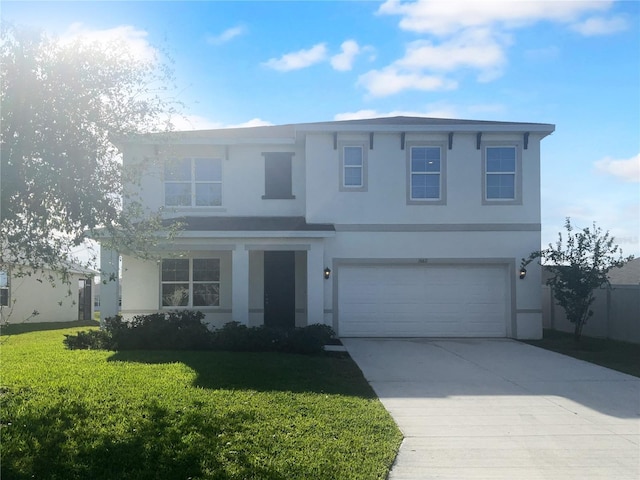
190,282
193,182
353,167
277,175
502,178
4,289
426,174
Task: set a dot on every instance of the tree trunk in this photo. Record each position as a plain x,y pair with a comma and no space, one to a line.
577,331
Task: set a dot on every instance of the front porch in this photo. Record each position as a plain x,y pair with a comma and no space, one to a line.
263,277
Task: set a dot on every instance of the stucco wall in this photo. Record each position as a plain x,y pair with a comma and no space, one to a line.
57,302
385,200
141,287
243,179
457,247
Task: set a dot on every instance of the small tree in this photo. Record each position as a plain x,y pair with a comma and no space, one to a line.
61,175
578,265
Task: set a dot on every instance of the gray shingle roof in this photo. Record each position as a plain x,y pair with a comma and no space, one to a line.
414,121
287,132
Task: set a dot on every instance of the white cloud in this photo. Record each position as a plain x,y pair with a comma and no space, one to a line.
391,80
197,122
343,61
431,110
227,35
601,26
134,39
627,170
181,123
441,18
472,34
254,122
435,110
298,60
365,114
476,49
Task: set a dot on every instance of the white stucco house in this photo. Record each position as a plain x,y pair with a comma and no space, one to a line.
24,291
387,227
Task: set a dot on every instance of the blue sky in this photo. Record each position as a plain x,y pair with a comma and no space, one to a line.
573,64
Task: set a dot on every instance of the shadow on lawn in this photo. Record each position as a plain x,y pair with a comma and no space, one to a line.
161,443
28,327
263,371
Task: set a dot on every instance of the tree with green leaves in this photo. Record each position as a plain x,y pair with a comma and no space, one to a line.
61,176
579,264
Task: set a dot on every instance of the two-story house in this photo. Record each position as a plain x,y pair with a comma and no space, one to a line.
398,227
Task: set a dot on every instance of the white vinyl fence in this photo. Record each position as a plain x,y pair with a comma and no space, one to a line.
616,314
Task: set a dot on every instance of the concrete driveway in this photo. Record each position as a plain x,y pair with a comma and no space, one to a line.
501,409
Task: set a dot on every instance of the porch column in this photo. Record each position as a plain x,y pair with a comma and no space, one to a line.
240,284
110,284
315,283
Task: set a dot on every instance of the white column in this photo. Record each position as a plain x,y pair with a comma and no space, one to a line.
110,283
316,283
240,284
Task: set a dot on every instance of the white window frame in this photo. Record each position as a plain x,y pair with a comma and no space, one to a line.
442,199
193,182
364,168
517,174
190,284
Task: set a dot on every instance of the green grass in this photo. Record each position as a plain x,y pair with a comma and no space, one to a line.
179,415
621,356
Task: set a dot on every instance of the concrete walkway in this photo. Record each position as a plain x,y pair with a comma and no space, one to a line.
501,409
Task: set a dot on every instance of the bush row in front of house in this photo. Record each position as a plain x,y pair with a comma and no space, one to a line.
184,330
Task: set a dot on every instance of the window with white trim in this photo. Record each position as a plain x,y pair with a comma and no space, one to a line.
190,282
4,289
500,173
425,176
193,182
353,167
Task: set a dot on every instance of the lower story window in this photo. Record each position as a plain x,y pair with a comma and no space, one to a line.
4,289
192,282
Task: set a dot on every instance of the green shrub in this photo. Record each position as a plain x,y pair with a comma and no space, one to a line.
89,340
310,339
184,330
179,330
237,337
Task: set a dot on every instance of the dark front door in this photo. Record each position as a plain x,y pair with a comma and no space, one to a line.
279,289
85,299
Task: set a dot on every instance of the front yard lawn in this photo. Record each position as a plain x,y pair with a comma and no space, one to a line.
621,356
185,415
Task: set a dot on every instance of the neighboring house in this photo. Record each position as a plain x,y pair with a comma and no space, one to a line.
46,293
401,227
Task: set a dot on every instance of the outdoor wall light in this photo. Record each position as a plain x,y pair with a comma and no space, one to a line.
327,273
523,273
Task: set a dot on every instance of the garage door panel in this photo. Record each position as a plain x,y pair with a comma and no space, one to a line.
424,300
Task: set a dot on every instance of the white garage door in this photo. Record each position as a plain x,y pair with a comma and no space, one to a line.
423,301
